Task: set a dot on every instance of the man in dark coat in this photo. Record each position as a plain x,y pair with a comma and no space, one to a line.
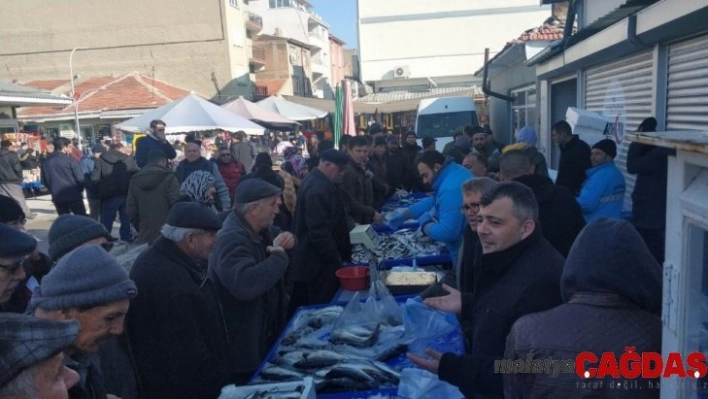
248,268
62,175
320,223
354,182
378,166
517,274
574,157
399,172
151,193
112,173
88,164
611,286
175,324
558,211
410,148
154,141
651,166
11,175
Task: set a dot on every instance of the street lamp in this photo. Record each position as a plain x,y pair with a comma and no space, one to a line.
73,95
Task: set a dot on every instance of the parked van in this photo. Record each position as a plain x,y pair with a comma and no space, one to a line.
440,117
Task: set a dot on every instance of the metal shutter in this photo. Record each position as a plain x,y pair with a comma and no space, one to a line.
687,95
633,75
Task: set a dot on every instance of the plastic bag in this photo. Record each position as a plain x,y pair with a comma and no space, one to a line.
422,321
384,305
421,384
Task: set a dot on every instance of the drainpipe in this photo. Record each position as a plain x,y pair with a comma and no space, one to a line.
632,32
485,84
569,20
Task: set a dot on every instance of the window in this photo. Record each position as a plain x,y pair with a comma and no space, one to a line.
233,3
280,3
297,89
523,110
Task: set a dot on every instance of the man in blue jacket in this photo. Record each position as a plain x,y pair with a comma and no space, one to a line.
439,215
62,175
154,141
602,194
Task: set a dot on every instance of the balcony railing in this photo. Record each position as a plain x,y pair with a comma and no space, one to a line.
254,22
260,92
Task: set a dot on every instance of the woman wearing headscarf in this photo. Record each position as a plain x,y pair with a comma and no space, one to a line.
296,161
200,187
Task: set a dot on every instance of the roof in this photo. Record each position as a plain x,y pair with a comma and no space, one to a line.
265,38
401,95
551,30
628,8
336,39
18,95
99,94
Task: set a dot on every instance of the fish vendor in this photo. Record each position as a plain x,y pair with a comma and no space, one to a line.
248,267
439,215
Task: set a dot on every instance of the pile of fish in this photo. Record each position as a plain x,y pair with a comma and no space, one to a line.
276,394
338,358
402,244
400,201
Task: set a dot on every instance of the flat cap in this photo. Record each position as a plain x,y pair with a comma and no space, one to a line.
190,215
335,156
26,341
10,210
255,189
15,243
428,141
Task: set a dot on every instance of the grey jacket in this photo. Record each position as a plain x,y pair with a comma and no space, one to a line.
251,287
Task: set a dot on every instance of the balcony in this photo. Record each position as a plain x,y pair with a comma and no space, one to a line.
318,41
257,59
319,67
254,22
260,92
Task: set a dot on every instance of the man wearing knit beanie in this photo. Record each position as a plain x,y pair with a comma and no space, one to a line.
602,195
87,285
69,232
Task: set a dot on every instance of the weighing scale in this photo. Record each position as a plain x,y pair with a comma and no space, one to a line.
365,235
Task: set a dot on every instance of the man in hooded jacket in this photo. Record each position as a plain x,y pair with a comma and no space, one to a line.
151,193
611,289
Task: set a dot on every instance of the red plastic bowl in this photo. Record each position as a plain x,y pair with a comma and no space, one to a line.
353,278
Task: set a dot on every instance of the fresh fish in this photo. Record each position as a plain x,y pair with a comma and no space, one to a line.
391,352
320,359
276,394
381,376
355,335
347,384
289,359
352,372
325,317
276,373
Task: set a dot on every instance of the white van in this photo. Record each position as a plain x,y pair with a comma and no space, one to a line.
440,117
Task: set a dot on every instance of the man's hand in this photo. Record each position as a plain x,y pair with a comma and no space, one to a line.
426,364
273,249
286,240
369,174
378,218
451,303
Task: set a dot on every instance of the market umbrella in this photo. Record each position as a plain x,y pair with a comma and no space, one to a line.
348,125
192,114
338,113
260,115
291,110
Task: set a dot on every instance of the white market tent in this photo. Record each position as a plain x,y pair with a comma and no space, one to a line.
192,114
290,109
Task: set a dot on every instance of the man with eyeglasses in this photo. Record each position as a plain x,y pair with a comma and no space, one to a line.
231,170
35,265
154,141
15,246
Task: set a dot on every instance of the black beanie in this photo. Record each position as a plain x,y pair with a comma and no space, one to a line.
607,146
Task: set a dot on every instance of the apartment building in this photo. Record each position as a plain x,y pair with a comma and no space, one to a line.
405,45
288,70
296,20
338,60
200,45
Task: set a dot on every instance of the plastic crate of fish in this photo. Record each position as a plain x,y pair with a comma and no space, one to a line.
400,248
355,372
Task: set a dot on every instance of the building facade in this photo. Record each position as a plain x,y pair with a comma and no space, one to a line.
639,59
204,46
339,63
404,44
296,20
287,69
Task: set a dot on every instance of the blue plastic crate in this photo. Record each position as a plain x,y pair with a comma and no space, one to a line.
454,341
397,203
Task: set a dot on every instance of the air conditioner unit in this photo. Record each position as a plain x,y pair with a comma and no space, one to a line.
401,72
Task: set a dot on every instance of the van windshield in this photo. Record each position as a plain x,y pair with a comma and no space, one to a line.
444,125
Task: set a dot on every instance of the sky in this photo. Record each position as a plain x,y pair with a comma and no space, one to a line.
341,17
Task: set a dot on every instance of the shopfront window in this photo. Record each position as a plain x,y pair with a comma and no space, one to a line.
523,110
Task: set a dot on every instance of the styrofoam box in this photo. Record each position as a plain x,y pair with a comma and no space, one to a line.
234,392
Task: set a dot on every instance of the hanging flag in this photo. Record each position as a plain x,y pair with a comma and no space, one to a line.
349,126
338,114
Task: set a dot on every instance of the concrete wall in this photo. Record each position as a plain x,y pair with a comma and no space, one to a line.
437,37
180,42
515,77
591,11
336,54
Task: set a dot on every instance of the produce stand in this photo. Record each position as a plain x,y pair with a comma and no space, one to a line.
451,342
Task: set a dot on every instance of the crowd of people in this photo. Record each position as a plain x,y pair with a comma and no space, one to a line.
235,244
